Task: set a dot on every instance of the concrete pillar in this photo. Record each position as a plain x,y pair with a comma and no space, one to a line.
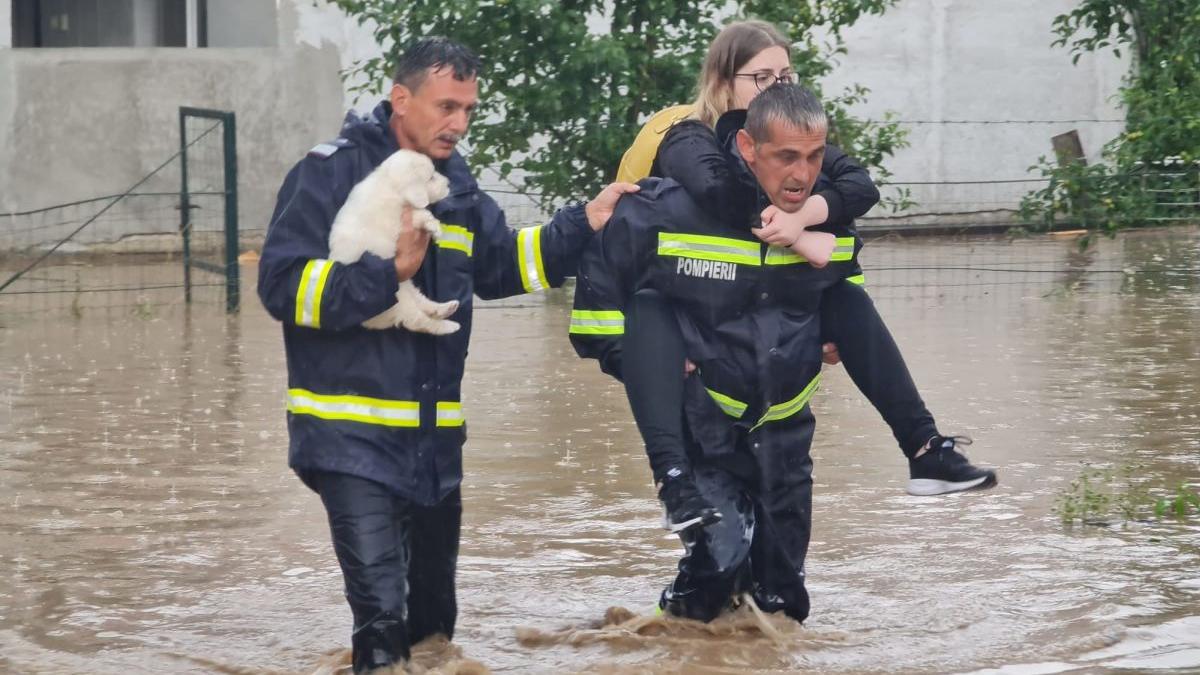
5,25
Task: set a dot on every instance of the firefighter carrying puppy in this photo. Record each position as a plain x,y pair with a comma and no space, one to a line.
735,477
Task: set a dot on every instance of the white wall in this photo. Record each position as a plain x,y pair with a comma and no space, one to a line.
61,110
82,123
967,60
930,61
319,23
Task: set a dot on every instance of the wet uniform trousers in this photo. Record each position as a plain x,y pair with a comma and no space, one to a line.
398,561
848,319
715,566
763,488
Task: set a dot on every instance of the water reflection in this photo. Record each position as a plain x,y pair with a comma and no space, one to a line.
149,523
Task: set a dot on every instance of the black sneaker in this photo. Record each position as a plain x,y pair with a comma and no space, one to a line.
684,505
943,469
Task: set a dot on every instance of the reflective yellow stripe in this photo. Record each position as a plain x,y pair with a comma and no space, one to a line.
730,406
597,322
363,409
702,247
781,411
450,414
457,238
310,291
857,279
844,249
529,259
779,255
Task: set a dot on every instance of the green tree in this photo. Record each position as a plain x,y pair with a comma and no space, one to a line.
568,83
1160,146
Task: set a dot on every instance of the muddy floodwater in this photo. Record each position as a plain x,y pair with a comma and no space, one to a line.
149,523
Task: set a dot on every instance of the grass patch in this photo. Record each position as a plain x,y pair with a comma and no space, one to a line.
1104,497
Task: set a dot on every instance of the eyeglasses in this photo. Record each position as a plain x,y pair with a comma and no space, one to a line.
765,78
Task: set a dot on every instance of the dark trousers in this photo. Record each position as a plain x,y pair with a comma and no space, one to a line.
874,362
760,544
653,356
398,561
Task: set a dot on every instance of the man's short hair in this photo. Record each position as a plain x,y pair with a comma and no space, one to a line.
432,53
791,103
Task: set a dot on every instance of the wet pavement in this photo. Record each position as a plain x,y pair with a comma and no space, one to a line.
149,524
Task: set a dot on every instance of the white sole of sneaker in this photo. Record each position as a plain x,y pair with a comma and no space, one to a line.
927,487
698,521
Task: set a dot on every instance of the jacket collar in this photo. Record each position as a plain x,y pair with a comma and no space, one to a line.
726,130
374,130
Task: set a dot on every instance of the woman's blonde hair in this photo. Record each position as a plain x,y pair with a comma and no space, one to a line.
736,44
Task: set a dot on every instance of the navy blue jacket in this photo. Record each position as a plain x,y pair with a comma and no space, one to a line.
384,404
707,164
748,312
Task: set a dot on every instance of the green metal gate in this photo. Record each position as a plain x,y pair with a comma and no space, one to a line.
121,252
201,204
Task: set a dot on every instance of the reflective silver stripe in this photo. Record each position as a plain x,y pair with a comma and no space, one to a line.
450,414
782,411
843,250
730,406
779,255
597,322
702,247
384,412
324,149
308,296
457,238
529,259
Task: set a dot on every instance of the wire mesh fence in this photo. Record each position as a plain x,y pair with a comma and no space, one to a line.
128,252
974,267
121,252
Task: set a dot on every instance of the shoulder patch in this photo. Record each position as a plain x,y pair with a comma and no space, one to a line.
323,150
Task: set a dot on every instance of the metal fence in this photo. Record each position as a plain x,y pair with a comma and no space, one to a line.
172,237
132,251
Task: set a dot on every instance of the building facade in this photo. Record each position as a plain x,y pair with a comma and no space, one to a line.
89,93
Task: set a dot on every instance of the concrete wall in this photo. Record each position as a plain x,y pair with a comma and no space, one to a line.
319,23
81,123
931,61
966,60
78,123
5,24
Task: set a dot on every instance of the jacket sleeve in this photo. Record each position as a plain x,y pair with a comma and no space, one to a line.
511,262
849,190
604,283
297,282
692,156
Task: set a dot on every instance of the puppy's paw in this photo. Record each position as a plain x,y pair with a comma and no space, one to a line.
424,220
441,310
389,318
445,327
430,325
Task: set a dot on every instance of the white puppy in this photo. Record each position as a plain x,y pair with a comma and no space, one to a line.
370,221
